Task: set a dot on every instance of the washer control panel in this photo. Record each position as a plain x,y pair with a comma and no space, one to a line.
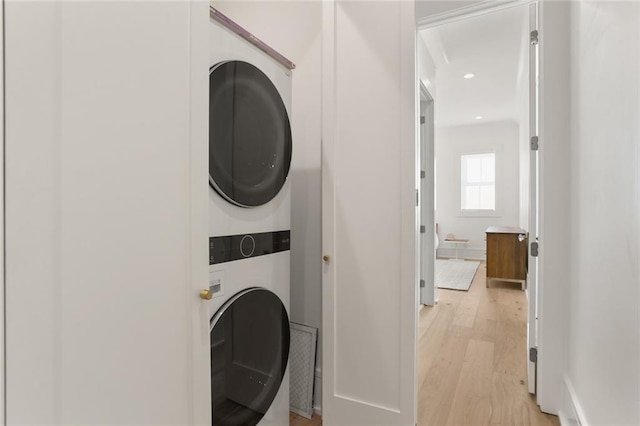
235,247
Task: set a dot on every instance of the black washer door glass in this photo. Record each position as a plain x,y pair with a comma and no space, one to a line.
249,135
249,353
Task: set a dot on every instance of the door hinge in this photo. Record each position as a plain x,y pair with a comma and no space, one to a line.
535,143
422,229
417,197
533,354
423,174
421,283
534,38
421,119
535,249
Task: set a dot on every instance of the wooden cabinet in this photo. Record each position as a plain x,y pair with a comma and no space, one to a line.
507,254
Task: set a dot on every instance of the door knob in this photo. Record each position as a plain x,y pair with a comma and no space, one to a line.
326,258
206,294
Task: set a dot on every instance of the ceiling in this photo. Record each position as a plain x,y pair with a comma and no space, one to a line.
489,46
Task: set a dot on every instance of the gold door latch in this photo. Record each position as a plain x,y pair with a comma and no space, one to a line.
206,294
326,258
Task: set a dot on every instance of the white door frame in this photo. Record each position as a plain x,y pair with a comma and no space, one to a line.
534,212
474,11
2,125
426,147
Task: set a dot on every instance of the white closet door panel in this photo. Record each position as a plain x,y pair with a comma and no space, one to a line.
370,216
103,218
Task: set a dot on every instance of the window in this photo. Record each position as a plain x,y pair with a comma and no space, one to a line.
478,190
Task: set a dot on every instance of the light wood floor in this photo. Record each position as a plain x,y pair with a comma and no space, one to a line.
296,420
472,359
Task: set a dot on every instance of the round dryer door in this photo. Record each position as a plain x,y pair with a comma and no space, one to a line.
249,353
249,135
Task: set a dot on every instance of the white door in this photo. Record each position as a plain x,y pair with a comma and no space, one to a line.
427,204
370,215
106,220
532,276
2,352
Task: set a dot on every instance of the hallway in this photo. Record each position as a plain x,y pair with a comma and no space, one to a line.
471,358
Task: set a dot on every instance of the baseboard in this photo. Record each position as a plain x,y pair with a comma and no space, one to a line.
571,413
463,253
317,392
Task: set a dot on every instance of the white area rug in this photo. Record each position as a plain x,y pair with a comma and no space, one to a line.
456,275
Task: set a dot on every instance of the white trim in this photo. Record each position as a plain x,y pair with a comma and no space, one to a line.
554,130
533,210
482,8
435,48
2,231
196,138
571,413
317,391
498,150
425,93
425,162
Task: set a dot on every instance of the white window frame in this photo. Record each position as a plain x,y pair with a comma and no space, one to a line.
464,184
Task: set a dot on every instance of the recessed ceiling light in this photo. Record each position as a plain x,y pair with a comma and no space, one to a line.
479,117
469,75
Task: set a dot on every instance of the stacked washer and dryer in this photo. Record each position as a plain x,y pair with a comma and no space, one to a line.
249,227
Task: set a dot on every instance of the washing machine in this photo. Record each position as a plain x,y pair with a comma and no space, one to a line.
250,148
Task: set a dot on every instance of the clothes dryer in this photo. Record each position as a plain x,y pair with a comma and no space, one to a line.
250,143
250,148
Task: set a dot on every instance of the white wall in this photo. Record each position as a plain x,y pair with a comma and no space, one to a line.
294,29
452,142
604,345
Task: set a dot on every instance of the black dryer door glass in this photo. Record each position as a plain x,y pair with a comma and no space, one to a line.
249,135
249,353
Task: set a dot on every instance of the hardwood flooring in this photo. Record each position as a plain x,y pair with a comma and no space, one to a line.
472,366
472,358
296,420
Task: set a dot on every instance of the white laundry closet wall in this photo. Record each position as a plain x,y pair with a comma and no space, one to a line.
294,29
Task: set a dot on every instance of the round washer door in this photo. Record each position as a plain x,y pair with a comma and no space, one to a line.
249,135
249,353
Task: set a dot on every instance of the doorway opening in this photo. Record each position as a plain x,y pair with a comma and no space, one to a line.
478,336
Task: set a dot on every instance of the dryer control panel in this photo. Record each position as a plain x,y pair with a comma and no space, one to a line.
235,247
